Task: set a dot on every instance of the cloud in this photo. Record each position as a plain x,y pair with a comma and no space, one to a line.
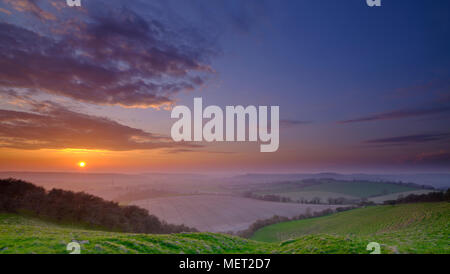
106,57
399,114
434,158
286,123
408,139
31,7
51,126
5,11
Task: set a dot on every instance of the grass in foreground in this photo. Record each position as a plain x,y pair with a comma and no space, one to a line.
27,235
417,228
406,228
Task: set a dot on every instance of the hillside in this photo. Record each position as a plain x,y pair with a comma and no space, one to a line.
29,235
413,228
406,228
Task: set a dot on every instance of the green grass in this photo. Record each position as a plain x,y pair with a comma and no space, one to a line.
29,235
43,239
407,228
24,235
416,228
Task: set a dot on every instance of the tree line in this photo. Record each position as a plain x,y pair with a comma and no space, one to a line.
442,196
313,201
17,196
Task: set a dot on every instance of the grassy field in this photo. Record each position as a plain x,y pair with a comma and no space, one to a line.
408,228
325,189
358,189
20,235
395,196
417,228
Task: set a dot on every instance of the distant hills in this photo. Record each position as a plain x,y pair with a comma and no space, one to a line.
437,180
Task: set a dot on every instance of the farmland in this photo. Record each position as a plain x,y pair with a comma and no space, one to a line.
220,213
324,189
408,228
357,189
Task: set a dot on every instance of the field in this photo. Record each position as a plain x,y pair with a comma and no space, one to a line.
413,228
211,203
358,189
310,195
324,189
409,228
395,196
20,235
220,213
30,235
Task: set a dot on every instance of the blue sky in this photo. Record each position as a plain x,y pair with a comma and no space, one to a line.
359,88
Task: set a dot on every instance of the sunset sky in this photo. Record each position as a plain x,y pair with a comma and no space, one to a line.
360,89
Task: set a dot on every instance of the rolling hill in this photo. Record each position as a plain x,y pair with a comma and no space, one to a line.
410,228
406,228
24,235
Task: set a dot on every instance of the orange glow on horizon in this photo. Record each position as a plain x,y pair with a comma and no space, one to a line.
136,161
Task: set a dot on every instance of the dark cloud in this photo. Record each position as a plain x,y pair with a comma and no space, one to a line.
112,57
50,126
286,123
398,114
418,138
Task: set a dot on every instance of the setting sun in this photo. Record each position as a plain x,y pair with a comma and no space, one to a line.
82,164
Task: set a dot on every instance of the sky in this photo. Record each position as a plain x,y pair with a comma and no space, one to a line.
360,89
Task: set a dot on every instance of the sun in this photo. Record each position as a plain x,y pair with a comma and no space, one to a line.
81,164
